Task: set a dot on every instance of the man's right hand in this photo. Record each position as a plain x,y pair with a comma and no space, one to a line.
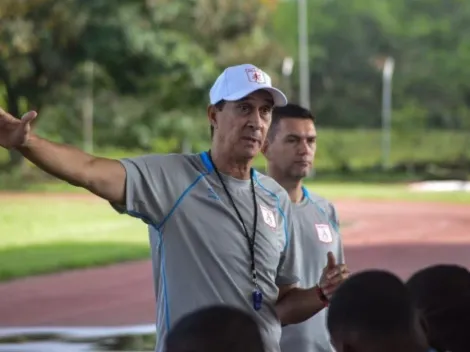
333,275
14,132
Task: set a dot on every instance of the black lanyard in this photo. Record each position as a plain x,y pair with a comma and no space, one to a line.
256,294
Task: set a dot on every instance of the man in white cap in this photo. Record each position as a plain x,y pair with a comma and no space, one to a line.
220,232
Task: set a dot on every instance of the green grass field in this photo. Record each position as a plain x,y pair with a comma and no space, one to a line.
42,234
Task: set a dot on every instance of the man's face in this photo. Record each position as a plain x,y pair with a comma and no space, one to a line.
241,126
292,147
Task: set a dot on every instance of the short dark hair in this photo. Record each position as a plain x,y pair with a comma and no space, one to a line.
442,294
374,307
219,106
288,111
213,329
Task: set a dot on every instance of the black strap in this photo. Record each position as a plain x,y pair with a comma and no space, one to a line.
251,240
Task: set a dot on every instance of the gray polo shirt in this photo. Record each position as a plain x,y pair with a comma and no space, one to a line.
319,234
200,256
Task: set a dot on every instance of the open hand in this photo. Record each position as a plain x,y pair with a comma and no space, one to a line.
333,275
14,132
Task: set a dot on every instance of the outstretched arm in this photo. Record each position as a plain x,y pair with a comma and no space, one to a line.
104,177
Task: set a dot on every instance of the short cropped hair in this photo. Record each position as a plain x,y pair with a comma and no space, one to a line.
215,329
374,306
442,295
285,112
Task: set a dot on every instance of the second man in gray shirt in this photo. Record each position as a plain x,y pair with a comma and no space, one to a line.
290,150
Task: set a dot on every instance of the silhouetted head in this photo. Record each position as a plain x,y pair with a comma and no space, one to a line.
373,312
442,295
215,329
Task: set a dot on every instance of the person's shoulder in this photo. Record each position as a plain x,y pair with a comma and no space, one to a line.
272,187
326,205
160,156
187,165
319,200
165,159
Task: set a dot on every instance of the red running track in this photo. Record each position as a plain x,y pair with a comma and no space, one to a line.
401,237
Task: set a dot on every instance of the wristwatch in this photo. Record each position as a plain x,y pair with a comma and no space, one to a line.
322,296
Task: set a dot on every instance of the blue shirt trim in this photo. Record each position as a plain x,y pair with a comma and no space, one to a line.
306,194
158,227
166,298
206,161
179,200
162,264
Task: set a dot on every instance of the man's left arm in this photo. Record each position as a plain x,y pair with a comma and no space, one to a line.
294,304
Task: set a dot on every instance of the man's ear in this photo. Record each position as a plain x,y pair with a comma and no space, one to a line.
211,115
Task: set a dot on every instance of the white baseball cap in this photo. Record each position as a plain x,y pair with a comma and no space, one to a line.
236,82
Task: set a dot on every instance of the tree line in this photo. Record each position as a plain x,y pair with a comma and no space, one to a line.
142,69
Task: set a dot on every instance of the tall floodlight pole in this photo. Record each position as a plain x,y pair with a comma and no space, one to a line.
304,69
387,75
88,108
287,68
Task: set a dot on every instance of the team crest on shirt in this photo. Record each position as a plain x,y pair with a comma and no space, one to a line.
268,217
324,233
